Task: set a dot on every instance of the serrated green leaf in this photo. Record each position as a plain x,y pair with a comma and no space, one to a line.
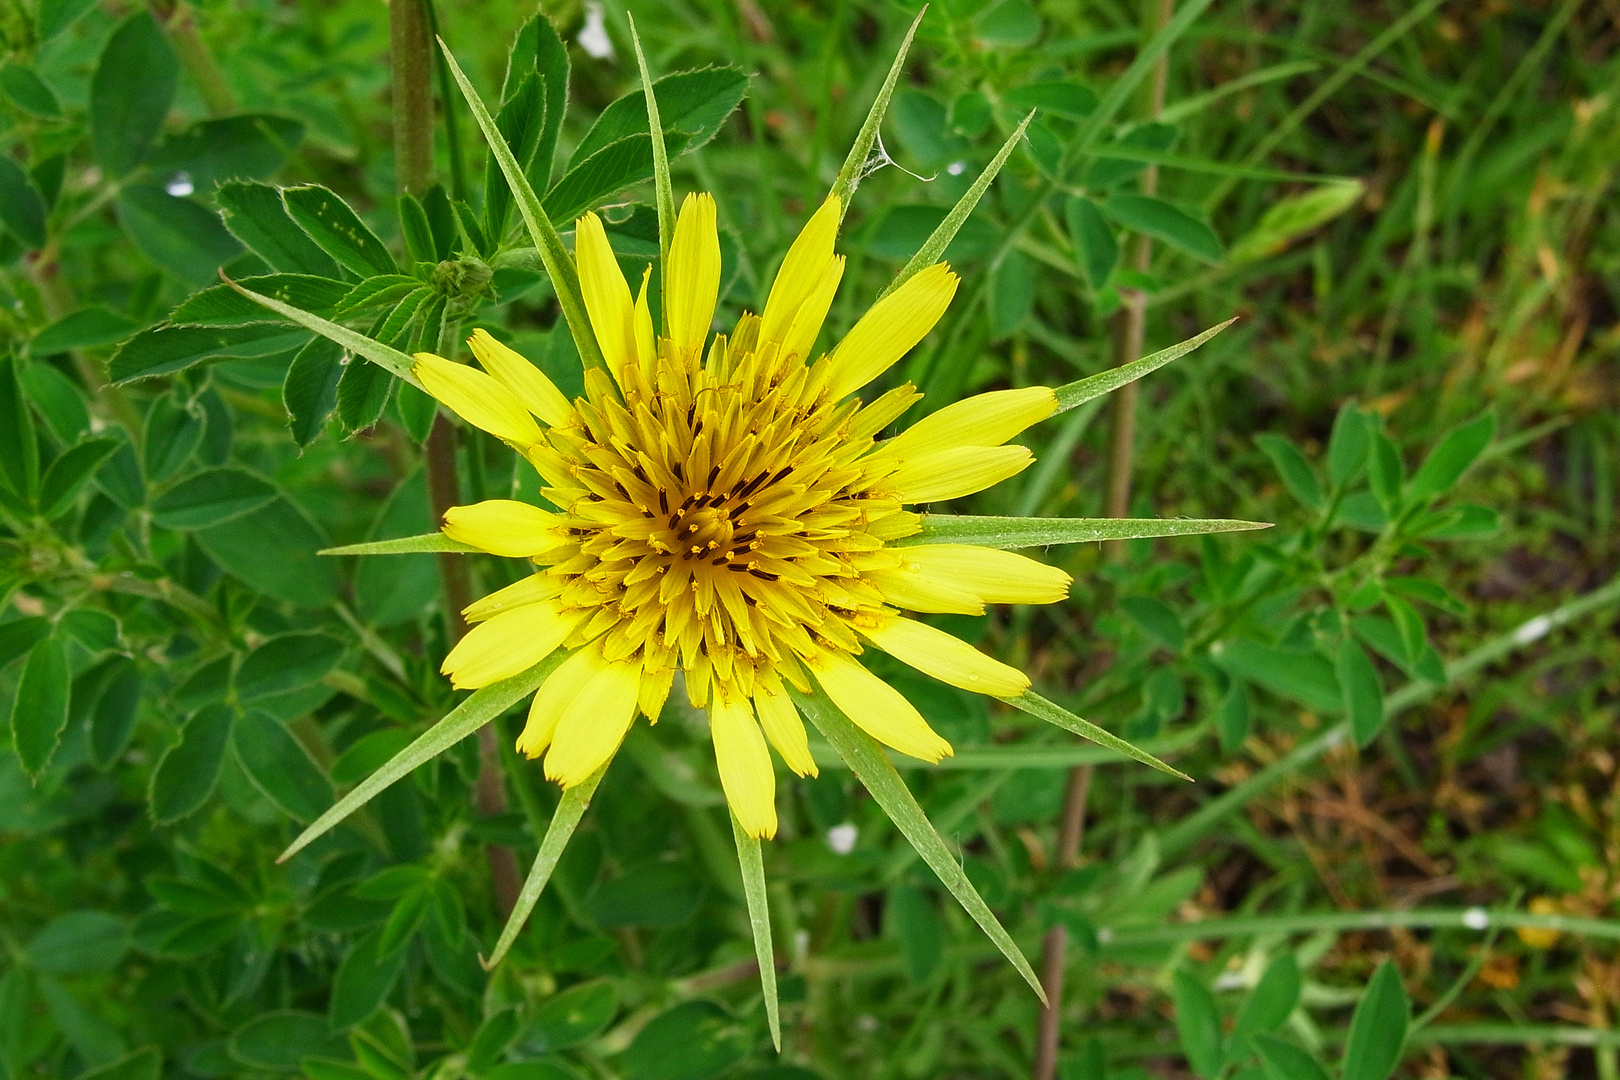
221,305
255,215
337,229
186,774
22,208
310,391
40,710
163,350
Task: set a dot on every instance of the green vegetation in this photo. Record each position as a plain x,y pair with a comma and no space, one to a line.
1399,854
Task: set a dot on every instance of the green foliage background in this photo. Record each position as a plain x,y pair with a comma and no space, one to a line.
1398,703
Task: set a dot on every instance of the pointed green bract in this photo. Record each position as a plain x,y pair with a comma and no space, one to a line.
1053,713
854,168
664,193
477,710
558,261
941,237
752,863
867,761
1013,532
390,360
404,545
570,809
1083,390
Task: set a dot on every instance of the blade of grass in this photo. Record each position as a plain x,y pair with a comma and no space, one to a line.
390,360
1083,390
752,863
478,709
404,545
867,761
559,263
854,167
1053,713
564,821
1011,532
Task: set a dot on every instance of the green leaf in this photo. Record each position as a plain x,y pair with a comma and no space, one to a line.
909,916
854,169
1052,95
173,432
1274,999
22,208
211,497
112,715
942,236
1291,217
186,774
79,942
868,762
279,1040
40,710
1108,171
384,356
572,1017
272,549
1017,532
691,104
1156,618
1012,293
1163,221
550,62
279,766
1093,240
363,981
221,305
19,447
598,178
179,235
752,864
255,215
404,545
130,93
1304,677
1447,462
310,391
564,820
58,399
1083,390
1363,693
1295,471
69,472
473,713
143,1064
28,91
1378,1028
1386,473
248,146
1347,446
1198,1023
163,350
363,391
1285,1061
374,292
695,1040
338,230
86,328
286,663
1037,706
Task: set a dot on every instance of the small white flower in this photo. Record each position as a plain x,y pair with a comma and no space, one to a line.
594,37
1476,918
956,168
180,185
841,838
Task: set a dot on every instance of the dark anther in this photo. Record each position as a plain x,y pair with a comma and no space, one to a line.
721,561
763,576
663,500
714,473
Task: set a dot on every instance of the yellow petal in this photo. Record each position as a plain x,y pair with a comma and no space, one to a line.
950,474
890,329
554,697
504,527
506,644
537,393
905,587
646,348
607,297
477,398
801,336
877,708
784,728
995,577
803,271
692,282
983,420
947,658
655,684
529,590
594,724
745,766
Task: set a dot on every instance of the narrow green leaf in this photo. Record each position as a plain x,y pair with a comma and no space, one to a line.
404,545
130,92
564,821
868,762
309,393
1093,240
942,236
752,863
473,713
391,360
1053,713
40,711
186,774
558,261
1448,461
855,168
1347,446
1198,1023
664,193
1017,532
1363,694
1296,472
22,208
1164,221
1292,217
1083,390
68,473
1285,1061
1378,1028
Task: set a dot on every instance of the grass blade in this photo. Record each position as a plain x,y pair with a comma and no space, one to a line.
854,169
752,863
404,545
1013,532
942,236
390,360
1053,713
1083,390
664,192
559,262
867,761
477,710
570,809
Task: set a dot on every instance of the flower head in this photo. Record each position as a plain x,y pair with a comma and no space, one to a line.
725,509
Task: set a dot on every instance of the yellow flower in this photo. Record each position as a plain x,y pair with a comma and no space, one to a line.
724,509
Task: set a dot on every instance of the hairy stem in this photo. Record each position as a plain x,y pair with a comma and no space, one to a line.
410,59
180,20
